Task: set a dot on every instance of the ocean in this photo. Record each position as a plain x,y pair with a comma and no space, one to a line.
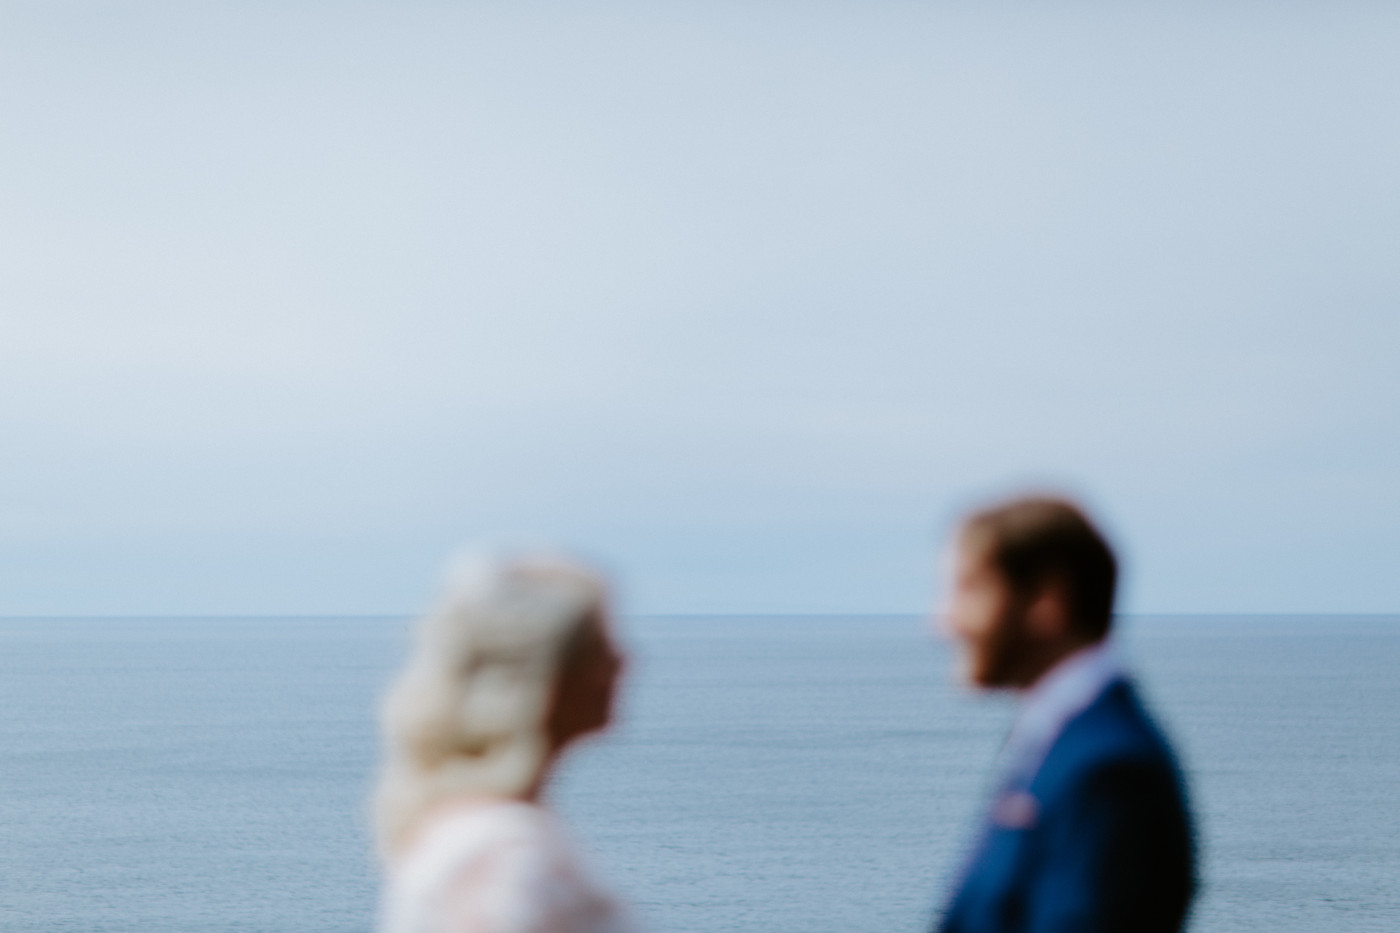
766,774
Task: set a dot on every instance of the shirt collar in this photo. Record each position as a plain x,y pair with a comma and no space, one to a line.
1060,694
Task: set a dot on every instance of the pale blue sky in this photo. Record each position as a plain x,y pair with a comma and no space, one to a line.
744,302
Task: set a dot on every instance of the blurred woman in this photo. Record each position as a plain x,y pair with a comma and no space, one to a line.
514,665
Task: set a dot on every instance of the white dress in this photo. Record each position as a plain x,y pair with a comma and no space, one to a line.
498,867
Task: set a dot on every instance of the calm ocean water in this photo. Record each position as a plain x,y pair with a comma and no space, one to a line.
768,774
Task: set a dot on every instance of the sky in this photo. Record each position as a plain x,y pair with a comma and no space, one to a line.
743,302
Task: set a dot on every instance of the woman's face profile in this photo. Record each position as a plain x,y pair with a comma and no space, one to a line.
583,697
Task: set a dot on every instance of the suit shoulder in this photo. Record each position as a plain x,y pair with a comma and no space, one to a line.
1114,732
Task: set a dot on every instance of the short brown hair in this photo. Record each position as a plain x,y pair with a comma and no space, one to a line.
1037,539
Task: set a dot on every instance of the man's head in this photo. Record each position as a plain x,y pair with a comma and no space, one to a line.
1033,582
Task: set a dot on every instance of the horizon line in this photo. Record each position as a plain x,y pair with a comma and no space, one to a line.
676,615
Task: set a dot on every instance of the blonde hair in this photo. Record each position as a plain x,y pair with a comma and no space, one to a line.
467,716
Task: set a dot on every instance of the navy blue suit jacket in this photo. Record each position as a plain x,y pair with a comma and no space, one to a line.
1099,840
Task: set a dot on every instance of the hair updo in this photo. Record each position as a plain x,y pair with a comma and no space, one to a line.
468,714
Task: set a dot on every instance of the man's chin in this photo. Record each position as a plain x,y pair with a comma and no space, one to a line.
973,676
976,676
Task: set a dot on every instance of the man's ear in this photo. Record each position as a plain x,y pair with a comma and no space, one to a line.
1047,614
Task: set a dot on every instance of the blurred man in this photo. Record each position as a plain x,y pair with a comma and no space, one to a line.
1088,829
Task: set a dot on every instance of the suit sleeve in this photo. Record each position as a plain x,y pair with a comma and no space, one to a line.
1113,856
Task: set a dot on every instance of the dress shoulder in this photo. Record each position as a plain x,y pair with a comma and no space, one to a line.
504,867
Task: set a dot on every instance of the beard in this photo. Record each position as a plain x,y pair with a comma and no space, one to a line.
998,659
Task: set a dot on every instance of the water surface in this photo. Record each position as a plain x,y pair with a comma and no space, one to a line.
768,774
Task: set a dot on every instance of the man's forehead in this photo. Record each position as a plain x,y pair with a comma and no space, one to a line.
970,558
973,545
